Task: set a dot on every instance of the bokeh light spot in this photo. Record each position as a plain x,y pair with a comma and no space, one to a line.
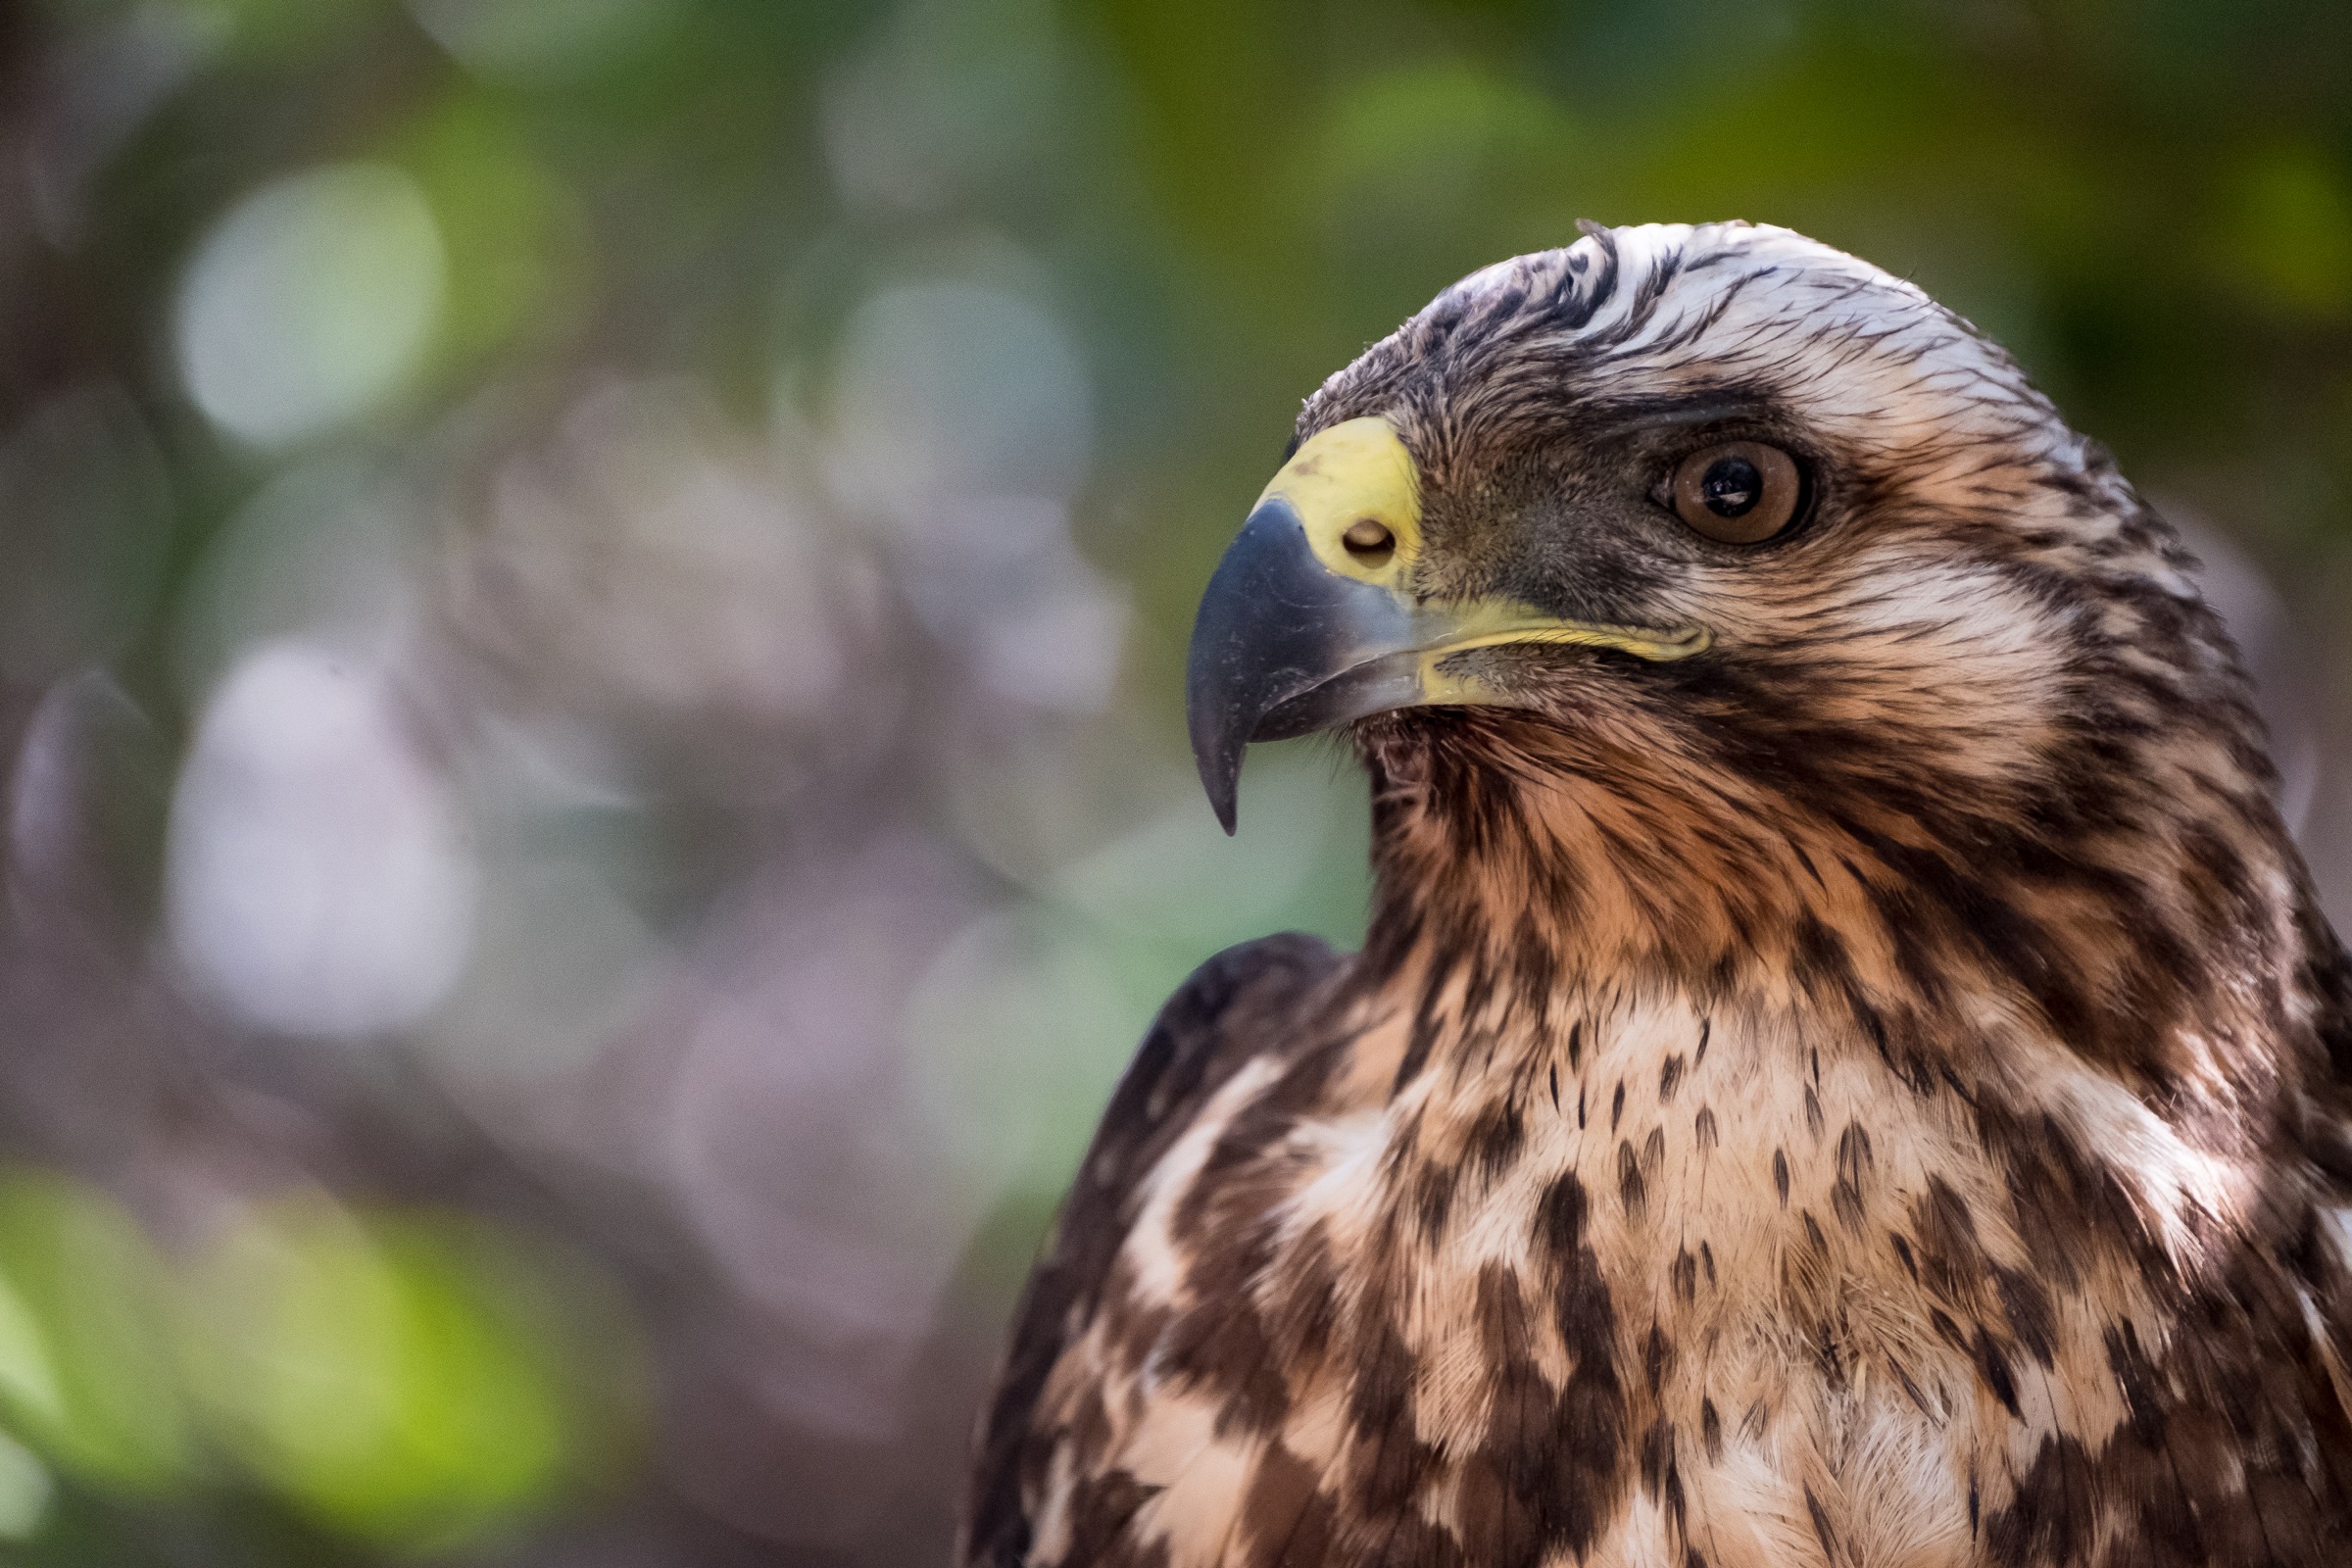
951,390
534,37
317,878
311,302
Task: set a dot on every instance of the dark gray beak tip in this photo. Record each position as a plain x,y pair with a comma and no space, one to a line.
1220,720
1217,754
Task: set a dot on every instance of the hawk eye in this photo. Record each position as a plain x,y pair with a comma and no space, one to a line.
1739,492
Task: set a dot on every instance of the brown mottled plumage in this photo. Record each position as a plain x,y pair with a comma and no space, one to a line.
1868,1094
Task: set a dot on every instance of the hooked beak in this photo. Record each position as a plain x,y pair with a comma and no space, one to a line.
1310,620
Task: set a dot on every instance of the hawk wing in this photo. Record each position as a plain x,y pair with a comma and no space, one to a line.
1238,1005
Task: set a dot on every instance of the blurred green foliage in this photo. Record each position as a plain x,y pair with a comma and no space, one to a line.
90,1336
408,1379
388,1376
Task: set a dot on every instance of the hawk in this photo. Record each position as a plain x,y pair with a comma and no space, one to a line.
1847,1066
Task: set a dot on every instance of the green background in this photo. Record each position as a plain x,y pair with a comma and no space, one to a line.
592,599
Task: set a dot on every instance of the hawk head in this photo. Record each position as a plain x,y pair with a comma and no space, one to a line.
1709,587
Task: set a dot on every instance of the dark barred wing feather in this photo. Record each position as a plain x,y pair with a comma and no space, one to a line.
1242,1003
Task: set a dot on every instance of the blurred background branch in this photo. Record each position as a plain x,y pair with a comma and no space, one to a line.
591,597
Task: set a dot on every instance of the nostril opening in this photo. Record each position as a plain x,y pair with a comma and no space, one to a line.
1369,541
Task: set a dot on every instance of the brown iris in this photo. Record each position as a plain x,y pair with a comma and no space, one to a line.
1739,492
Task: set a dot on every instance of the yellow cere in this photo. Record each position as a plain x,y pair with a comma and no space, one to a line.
1357,470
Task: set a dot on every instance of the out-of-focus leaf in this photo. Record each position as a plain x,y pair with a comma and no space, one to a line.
25,1491
383,1373
532,40
2293,236
93,1384
276,30
1424,172
509,228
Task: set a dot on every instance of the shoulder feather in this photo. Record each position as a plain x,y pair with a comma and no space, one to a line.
1232,1009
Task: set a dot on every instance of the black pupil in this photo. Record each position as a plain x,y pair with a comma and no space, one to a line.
1732,486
